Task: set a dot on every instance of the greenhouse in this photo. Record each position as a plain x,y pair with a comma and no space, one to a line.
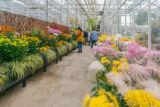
79,53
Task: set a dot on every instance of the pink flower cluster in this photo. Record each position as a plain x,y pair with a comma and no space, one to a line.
121,46
134,51
138,71
103,50
51,30
108,43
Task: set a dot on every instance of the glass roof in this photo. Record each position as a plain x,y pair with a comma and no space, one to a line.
61,10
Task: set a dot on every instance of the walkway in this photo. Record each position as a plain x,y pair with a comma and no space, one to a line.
63,85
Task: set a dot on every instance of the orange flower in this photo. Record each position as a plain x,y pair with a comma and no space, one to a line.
52,37
5,29
44,48
61,43
67,35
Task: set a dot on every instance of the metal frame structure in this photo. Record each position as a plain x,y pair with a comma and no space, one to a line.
116,16
120,17
61,10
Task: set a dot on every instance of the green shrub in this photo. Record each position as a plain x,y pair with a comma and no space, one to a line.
12,49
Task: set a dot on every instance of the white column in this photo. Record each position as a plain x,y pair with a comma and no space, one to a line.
125,21
47,11
149,24
11,6
67,12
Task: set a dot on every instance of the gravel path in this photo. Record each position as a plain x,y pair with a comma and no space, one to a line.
63,85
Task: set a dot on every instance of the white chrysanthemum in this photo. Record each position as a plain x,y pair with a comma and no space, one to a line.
117,37
99,43
117,80
93,69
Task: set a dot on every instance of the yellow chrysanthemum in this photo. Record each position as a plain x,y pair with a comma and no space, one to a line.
86,100
104,60
109,80
115,62
101,92
141,98
113,99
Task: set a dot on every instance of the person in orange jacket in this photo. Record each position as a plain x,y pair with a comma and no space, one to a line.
79,35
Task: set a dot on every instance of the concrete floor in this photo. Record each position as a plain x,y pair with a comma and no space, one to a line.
63,85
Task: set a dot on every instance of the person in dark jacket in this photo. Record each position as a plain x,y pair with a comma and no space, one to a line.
86,38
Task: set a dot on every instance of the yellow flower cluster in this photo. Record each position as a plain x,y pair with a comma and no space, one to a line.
109,80
15,41
104,99
104,60
102,38
75,21
112,38
120,66
115,47
34,40
44,48
141,98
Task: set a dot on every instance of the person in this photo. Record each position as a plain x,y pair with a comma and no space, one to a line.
86,38
79,35
94,37
89,38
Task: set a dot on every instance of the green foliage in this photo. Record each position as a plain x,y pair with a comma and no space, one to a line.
102,83
4,77
70,46
50,55
64,38
62,50
12,49
92,23
44,37
33,62
51,42
74,37
75,44
142,18
10,52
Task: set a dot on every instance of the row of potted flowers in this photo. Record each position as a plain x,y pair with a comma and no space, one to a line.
20,54
128,74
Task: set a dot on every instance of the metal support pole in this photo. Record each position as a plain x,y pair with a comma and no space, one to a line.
117,21
103,24
67,13
24,82
108,25
130,24
76,16
133,23
11,6
149,24
27,11
125,22
120,24
60,16
47,11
